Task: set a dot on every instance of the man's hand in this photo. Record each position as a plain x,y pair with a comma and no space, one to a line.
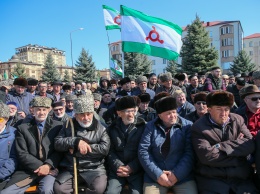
43,170
124,171
240,136
83,147
21,114
171,177
164,180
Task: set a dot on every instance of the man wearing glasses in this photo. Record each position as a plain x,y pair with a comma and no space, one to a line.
59,113
125,133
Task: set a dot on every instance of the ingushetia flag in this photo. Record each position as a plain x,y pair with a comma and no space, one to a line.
149,35
115,68
112,18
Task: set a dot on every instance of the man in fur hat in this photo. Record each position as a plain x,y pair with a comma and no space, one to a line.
222,143
32,86
146,112
165,151
20,96
125,133
126,89
35,151
90,145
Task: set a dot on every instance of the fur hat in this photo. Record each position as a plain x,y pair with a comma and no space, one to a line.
256,75
66,87
84,103
32,82
180,76
220,98
240,81
42,102
165,77
4,110
20,81
201,96
57,83
78,82
247,90
97,96
145,97
141,79
160,95
58,103
124,80
215,67
125,103
70,97
165,104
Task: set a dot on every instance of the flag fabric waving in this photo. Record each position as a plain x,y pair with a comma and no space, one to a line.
149,35
112,18
114,67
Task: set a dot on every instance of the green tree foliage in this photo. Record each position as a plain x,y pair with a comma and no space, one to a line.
85,70
66,77
242,63
51,72
136,64
19,71
173,67
196,53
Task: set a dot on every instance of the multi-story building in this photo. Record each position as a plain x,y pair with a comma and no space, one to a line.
226,37
252,47
38,54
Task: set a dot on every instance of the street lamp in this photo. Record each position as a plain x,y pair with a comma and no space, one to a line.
71,46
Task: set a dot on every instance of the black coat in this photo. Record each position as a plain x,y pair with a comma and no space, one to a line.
124,146
28,148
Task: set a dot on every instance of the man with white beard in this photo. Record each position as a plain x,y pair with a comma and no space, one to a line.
90,144
59,113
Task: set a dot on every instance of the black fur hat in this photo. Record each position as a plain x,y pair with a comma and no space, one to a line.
124,80
145,97
180,76
20,81
165,104
66,87
32,82
201,96
220,98
125,103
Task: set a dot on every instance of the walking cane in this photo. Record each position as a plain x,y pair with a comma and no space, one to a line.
74,161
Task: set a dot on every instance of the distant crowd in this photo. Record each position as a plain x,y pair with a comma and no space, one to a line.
181,134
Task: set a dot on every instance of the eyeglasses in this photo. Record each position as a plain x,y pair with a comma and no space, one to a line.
129,111
254,98
201,102
59,109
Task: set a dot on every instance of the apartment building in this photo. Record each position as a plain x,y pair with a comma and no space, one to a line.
252,47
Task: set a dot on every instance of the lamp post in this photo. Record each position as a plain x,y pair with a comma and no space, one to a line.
71,48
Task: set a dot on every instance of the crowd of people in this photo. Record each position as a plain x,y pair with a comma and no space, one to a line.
184,134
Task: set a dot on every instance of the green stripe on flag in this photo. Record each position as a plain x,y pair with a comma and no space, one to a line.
149,50
110,8
125,11
111,27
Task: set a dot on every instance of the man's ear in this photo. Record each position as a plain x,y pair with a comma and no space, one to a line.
119,113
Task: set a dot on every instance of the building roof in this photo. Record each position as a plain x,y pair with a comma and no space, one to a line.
256,35
39,47
213,23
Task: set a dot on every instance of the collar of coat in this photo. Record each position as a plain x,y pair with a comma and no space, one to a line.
159,123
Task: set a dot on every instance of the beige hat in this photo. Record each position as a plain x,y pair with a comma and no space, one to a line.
4,110
41,102
84,103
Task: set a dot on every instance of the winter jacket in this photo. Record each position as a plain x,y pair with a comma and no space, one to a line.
180,158
186,109
148,115
212,84
171,91
137,91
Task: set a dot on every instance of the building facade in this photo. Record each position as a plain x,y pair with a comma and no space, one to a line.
252,47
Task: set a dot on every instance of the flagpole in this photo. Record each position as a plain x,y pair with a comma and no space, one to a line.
111,73
123,64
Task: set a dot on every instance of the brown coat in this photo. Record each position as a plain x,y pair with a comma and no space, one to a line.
230,160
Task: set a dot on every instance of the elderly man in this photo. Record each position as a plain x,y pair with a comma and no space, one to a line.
256,78
90,145
20,96
56,91
14,118
152,82
32,86
35,151
166,84
250,111
166,153
126,89
184,107
125,133
43,90
214,81
69,105
194,84
78,89
200,106
235,88
142,87
59,113
146,112
8,161
222,143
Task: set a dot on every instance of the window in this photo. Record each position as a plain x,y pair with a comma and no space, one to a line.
227,41
251,53
226,30
210,34
164,61
33,71
227,53
251,44
153,62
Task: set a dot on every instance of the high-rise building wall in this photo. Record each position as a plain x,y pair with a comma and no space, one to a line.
252,47
38,54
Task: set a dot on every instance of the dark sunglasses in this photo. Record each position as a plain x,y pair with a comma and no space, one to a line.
201,102
255,98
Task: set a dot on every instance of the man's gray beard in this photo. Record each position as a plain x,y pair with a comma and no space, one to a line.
84,125
38,119
59,116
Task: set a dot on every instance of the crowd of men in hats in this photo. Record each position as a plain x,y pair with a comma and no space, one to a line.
185,134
